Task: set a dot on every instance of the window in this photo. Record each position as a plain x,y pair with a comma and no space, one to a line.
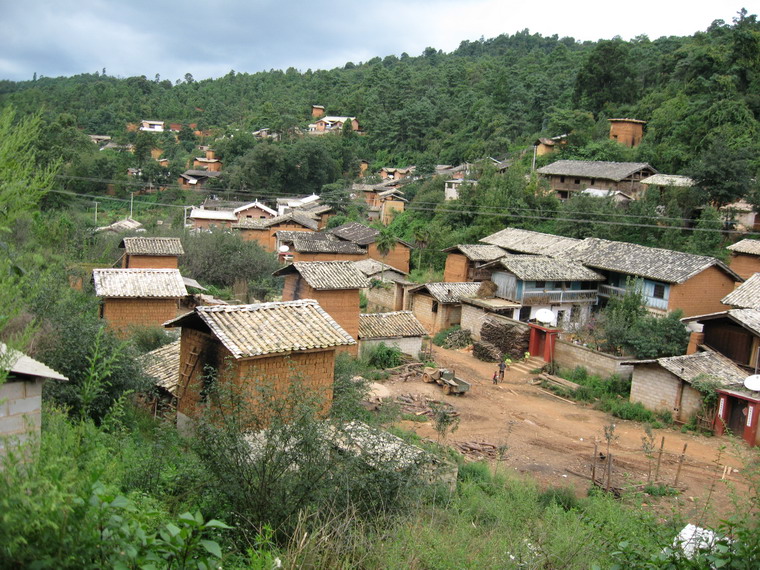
659,291
562,179
435,306
593,181
577,181
540,284
524,314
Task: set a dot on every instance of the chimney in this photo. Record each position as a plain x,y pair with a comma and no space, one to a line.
695,339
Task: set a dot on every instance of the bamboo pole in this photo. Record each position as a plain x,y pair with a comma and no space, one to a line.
680,464
593,463
659,460
609,472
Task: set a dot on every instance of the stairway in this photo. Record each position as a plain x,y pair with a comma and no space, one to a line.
525,367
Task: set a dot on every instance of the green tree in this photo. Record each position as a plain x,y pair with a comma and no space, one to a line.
385,243
707,239
606,77
722,173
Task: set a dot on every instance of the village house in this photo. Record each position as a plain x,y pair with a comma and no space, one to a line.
383,200
438,306
138,297
152,126
544,145
285,205
399,329
264,231
515,240
628,132
335,285
535,282
452,188
668,280
207,164
390,173
316,246
734,333
661,182
329,124
365,236
214,213
21,395
317,111
665,384
746,295
255,347
745,257
463,261
151,252
196,179
568,177
386,285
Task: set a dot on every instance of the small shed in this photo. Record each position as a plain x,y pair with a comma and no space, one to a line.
745,257
21,394
151,252
665,384
138,297
464,260
399,329
438,306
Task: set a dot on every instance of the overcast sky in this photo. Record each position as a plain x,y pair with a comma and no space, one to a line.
209,38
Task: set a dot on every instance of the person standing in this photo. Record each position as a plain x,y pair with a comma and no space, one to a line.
502,368
495,377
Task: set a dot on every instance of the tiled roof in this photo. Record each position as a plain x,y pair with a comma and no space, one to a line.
152,246
138,283
594,169
327,274
748,318
748,246
642,261
255,204
746,295
303,218
312,243
668,180
200,174
269,328
478,251
706,364
526,241
163,365
544,268
372,267
356,232
450,292
390,325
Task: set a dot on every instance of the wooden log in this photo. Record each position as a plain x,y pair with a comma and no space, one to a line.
680,464
555,396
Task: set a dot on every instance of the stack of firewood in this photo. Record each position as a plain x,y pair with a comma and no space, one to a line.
509,339
486,352
420,405
477,449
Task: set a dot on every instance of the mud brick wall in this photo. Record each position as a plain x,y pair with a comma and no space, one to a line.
745,265
702,293
150,261
120,314
456,268
398,257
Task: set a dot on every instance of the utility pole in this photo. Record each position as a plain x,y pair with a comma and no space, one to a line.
96,212
131,200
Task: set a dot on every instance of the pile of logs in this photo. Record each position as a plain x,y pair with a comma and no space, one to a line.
457,339
486,352
420,405
510,339
477,449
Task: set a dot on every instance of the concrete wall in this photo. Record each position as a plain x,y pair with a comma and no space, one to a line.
456,270
120,314
149,261
472,319
745,265
657,389
409,345
569,355
702,293
445,317
20,409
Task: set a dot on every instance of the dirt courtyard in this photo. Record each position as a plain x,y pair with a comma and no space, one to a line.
552,441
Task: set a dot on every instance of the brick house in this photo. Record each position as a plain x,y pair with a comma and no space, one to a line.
627,131
317,246
668,280
196,179
21,394
383,200
664,384
389,173
366,236
151,252
515,240
335,285
568,177
386,285
317,111
464,260
438,306
734,333
138,297
399,329
264,231
327,124
254,346
745,257
152,126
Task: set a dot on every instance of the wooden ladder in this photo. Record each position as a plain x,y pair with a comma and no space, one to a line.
187,369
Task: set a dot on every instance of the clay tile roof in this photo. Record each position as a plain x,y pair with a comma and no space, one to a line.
374,268
389,325
312,243
138,283
616,171
323,275
450,292
152,246
642,261
356,232
544,268
703,364
746,295
162,364
674,180
305,219
526,241
748,246
269,328
478,251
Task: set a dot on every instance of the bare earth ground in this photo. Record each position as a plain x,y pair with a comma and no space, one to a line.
546,437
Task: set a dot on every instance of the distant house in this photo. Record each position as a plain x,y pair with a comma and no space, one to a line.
328,124
366,236
317,111
399,329
196,179
138,297
665,384
734,333
21,395
221,214
152,126
317,246
628,132
544,145
464,260
745,257
746,295
207,164
568,177
121,227
668,280
535,282
383,201
334,284
661,182
252,347
390,173
204,219
151,252
438,305
264,231
452,187
285,205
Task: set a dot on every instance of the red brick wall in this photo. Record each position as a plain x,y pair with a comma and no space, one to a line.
123,313
456,269
745,265
150,261
702,293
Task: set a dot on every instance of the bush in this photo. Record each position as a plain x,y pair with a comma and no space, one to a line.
383,356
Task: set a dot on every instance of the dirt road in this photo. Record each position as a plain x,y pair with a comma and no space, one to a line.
548,438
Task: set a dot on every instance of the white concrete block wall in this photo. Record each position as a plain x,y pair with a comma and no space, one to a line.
657,389
20,407
472,319
412,345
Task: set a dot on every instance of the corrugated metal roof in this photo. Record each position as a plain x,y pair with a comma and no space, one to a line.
389,325
356,232
544,268
748,246
204,214
138,283
746,295
323,275
478,251
450,292
163,365
616,171
269,328
17,362
526,241
152,246
641,261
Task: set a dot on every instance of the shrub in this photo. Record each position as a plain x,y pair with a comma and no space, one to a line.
383,356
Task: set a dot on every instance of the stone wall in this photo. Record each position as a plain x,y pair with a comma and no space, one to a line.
569,355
